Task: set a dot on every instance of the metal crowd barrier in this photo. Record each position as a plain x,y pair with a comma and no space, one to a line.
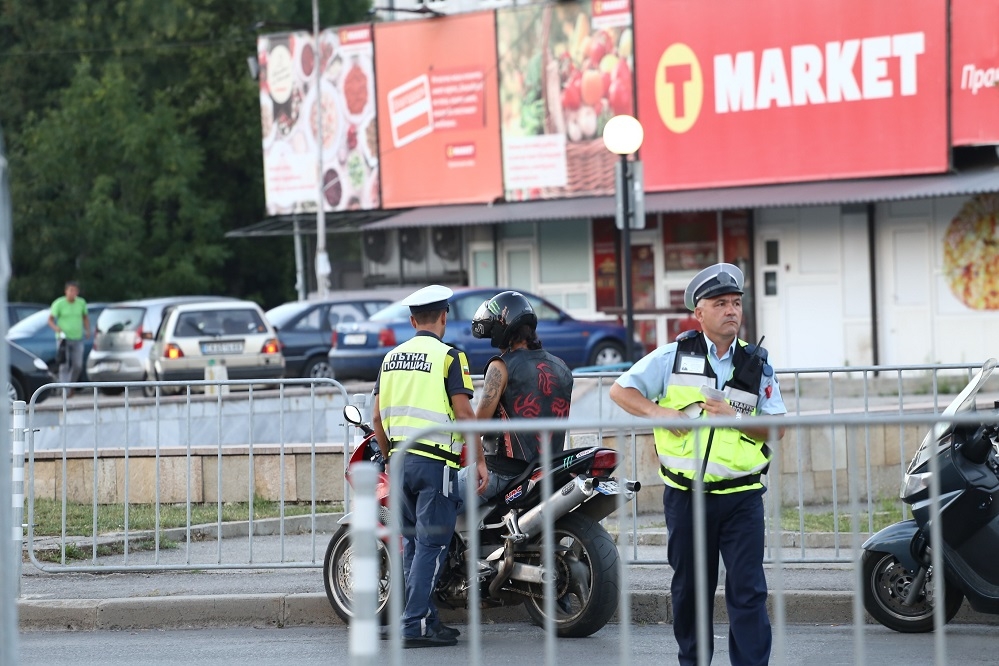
834,392
367,624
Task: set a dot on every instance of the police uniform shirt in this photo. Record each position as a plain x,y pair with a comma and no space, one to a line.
456,381
651,375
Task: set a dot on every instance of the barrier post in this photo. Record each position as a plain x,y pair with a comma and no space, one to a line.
364,575
17,491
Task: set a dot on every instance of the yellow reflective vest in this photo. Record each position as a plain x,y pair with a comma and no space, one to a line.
413,396
735,461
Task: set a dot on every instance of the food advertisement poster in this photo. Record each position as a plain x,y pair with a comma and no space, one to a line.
971,255
729,92
974,74
565,69
290,118
438,112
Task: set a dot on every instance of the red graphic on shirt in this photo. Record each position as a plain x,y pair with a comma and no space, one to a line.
527,406
560,408
769,390
546,380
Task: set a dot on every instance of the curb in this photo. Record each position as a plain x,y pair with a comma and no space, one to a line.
300,610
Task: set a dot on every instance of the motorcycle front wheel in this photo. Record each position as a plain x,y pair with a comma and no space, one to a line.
587,578
886,584
338,569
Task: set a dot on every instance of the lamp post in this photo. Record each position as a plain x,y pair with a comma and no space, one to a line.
322,259
623,136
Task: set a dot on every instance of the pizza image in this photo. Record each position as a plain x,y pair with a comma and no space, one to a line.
971,253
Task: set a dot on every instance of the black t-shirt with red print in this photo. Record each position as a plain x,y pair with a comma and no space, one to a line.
539,386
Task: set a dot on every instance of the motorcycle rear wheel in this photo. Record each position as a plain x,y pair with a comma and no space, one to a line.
587,578
337,571
886,583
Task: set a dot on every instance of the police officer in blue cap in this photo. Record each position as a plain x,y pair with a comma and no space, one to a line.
424,384
702,375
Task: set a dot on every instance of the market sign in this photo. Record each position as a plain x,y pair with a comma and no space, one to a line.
290,120
438,111
974,71
733,92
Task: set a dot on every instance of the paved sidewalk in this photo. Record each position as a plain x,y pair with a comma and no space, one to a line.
812,593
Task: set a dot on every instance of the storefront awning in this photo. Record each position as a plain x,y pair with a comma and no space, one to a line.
832,192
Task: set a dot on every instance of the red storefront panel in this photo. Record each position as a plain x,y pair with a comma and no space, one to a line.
733,92
974,72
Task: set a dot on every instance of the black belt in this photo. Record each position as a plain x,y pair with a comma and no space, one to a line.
710,486
434,451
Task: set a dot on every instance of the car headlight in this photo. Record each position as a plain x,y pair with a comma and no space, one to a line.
40,364
913,483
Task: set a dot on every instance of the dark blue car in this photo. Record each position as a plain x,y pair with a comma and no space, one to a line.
358,348
33,333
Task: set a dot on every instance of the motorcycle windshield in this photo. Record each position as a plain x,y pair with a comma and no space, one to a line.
964,402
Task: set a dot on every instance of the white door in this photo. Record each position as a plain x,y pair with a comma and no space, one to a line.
905,298
799,288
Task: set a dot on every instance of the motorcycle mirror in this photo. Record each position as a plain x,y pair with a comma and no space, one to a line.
352,414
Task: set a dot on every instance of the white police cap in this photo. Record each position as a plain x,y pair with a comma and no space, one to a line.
429,298
716,280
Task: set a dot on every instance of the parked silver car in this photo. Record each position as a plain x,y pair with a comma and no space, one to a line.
124,336
231,333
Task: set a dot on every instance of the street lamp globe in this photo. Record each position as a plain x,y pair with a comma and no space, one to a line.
623,135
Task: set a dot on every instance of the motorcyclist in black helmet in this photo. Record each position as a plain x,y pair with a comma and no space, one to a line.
524,381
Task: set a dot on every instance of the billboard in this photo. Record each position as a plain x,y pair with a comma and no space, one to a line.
290,109
438,111
974,72
734,93
565,70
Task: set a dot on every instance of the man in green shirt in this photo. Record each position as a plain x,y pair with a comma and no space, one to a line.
69,319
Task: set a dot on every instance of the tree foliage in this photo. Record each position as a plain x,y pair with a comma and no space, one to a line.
133,135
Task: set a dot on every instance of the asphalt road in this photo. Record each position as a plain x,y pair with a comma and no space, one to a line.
519,644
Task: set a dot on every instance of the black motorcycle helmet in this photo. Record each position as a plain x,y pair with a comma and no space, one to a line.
501,315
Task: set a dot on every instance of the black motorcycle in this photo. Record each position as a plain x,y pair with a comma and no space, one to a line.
510,569
897,566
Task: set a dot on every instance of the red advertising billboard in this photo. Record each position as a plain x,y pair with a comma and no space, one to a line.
974,71
438,111
733,92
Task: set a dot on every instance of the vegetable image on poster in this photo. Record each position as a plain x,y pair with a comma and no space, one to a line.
565,70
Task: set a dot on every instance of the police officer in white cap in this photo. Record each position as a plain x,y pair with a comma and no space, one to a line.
699,376
425,384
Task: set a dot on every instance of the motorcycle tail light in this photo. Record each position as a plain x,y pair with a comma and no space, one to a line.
604,463
915,483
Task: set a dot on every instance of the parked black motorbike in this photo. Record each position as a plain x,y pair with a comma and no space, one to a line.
898,574
511,570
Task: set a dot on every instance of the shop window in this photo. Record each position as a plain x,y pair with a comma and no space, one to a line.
690,240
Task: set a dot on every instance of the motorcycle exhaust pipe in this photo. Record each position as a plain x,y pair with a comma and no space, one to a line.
562,502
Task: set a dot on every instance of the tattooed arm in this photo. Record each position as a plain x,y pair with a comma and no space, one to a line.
492,390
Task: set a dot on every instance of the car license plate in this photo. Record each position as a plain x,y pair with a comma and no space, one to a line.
355,339
222,347
107,366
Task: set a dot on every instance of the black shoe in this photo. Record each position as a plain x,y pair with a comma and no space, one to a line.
446,631
432,639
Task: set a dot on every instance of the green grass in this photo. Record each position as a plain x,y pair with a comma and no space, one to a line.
76,552
885,514
111,517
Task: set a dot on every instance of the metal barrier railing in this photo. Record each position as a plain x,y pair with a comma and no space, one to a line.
780,620
857,385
